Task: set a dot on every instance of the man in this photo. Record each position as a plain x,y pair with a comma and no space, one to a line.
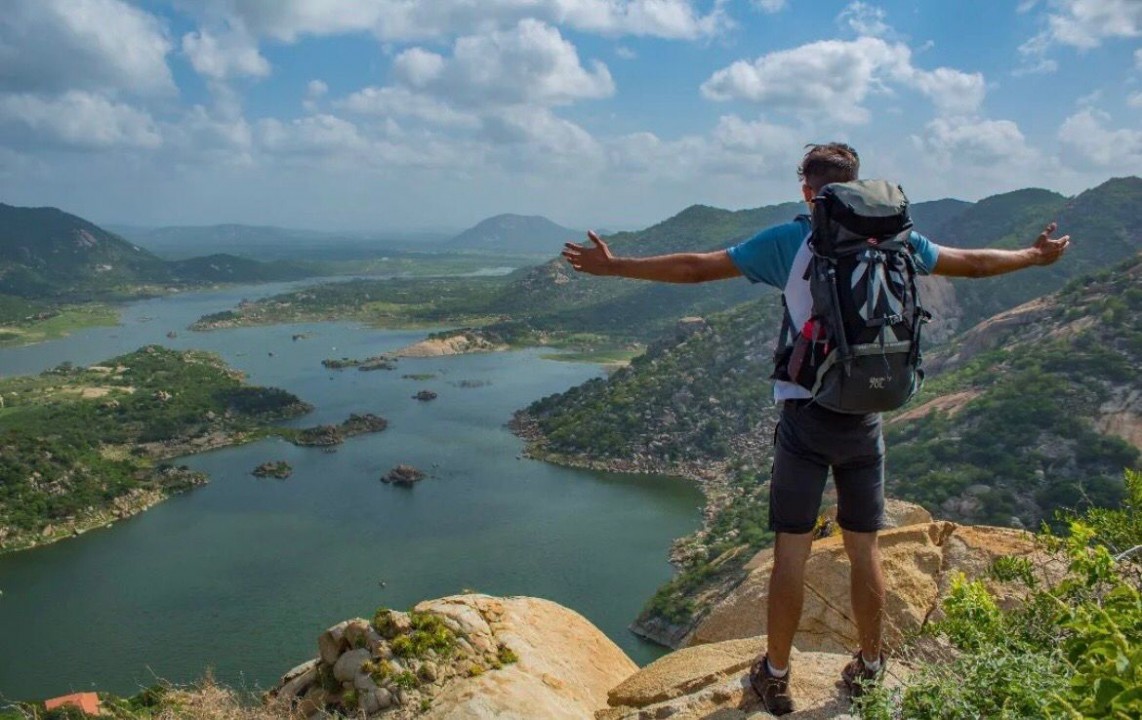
811,439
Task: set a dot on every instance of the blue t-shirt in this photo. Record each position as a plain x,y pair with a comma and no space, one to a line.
779,256
768,256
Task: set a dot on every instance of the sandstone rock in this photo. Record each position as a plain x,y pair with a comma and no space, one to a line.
384,698
919,562
711,681
579,662
897,513
331,642
357,633
349,664
368,702
298,680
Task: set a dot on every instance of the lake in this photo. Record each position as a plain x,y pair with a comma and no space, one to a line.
242,575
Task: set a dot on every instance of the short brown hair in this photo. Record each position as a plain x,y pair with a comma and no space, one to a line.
828,163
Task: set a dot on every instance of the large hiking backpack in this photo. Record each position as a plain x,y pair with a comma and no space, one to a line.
860,350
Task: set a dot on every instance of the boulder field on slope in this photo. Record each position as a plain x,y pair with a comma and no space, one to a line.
920,562
506,658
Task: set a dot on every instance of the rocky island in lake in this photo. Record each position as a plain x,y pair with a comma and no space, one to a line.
328,435
405,475
279,469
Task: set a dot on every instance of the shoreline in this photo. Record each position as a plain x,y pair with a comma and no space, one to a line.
136,501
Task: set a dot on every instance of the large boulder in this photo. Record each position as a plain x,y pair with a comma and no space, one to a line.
566,665
487,657
711,681
919,564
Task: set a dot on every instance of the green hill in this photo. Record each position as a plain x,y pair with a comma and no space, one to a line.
46,253
1030,418
513,235
1105,224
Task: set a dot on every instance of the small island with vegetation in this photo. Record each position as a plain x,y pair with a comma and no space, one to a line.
329,435
377,362
279,469
81,447
403,475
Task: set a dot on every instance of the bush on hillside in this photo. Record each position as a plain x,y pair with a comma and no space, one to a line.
1073,650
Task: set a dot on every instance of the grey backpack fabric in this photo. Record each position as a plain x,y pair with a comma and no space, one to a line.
860,351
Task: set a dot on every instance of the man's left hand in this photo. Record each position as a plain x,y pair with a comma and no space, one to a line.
1047,249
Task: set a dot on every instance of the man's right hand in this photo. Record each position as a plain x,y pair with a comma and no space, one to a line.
595,259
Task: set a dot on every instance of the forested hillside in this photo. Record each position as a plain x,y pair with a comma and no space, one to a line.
1041,413
48,254
83,446
1035,410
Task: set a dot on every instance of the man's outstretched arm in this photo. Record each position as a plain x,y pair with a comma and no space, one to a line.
958,262
596,259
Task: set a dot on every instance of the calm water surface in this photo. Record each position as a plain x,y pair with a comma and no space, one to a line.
243,574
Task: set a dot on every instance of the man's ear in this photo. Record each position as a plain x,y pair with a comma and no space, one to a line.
808,193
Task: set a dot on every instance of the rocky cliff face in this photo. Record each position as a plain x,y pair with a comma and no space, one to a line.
919,563
475,656
468,656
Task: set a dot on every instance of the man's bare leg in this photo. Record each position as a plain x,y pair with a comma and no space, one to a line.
786,595
867,590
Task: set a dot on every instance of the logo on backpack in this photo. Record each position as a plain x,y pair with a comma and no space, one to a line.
860,350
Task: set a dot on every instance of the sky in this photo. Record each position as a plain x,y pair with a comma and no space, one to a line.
381,115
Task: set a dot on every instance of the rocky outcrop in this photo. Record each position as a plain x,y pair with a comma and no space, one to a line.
424,395
405,475
330,435
711,681
919,563
279,469
459,344
466,656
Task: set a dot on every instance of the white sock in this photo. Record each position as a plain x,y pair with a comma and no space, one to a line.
870,665
774,671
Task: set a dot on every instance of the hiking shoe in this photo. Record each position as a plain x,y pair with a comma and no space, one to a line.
773,691
858,677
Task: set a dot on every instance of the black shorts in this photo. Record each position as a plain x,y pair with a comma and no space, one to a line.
809,440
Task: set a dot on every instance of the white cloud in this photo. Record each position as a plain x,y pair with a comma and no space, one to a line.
734,133
1081,24
323,135
1090,143
528,64
223,56
1138,59
415,20
951,91
316,89
1085,24
58,45
865,19
80,120
978,143
418,67
770,6
625,53
1135,100
834,78
403,102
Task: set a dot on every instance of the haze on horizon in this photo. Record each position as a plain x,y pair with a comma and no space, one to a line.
385,115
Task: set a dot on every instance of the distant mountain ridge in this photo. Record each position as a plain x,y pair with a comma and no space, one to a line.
515,235
264,242
49,253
